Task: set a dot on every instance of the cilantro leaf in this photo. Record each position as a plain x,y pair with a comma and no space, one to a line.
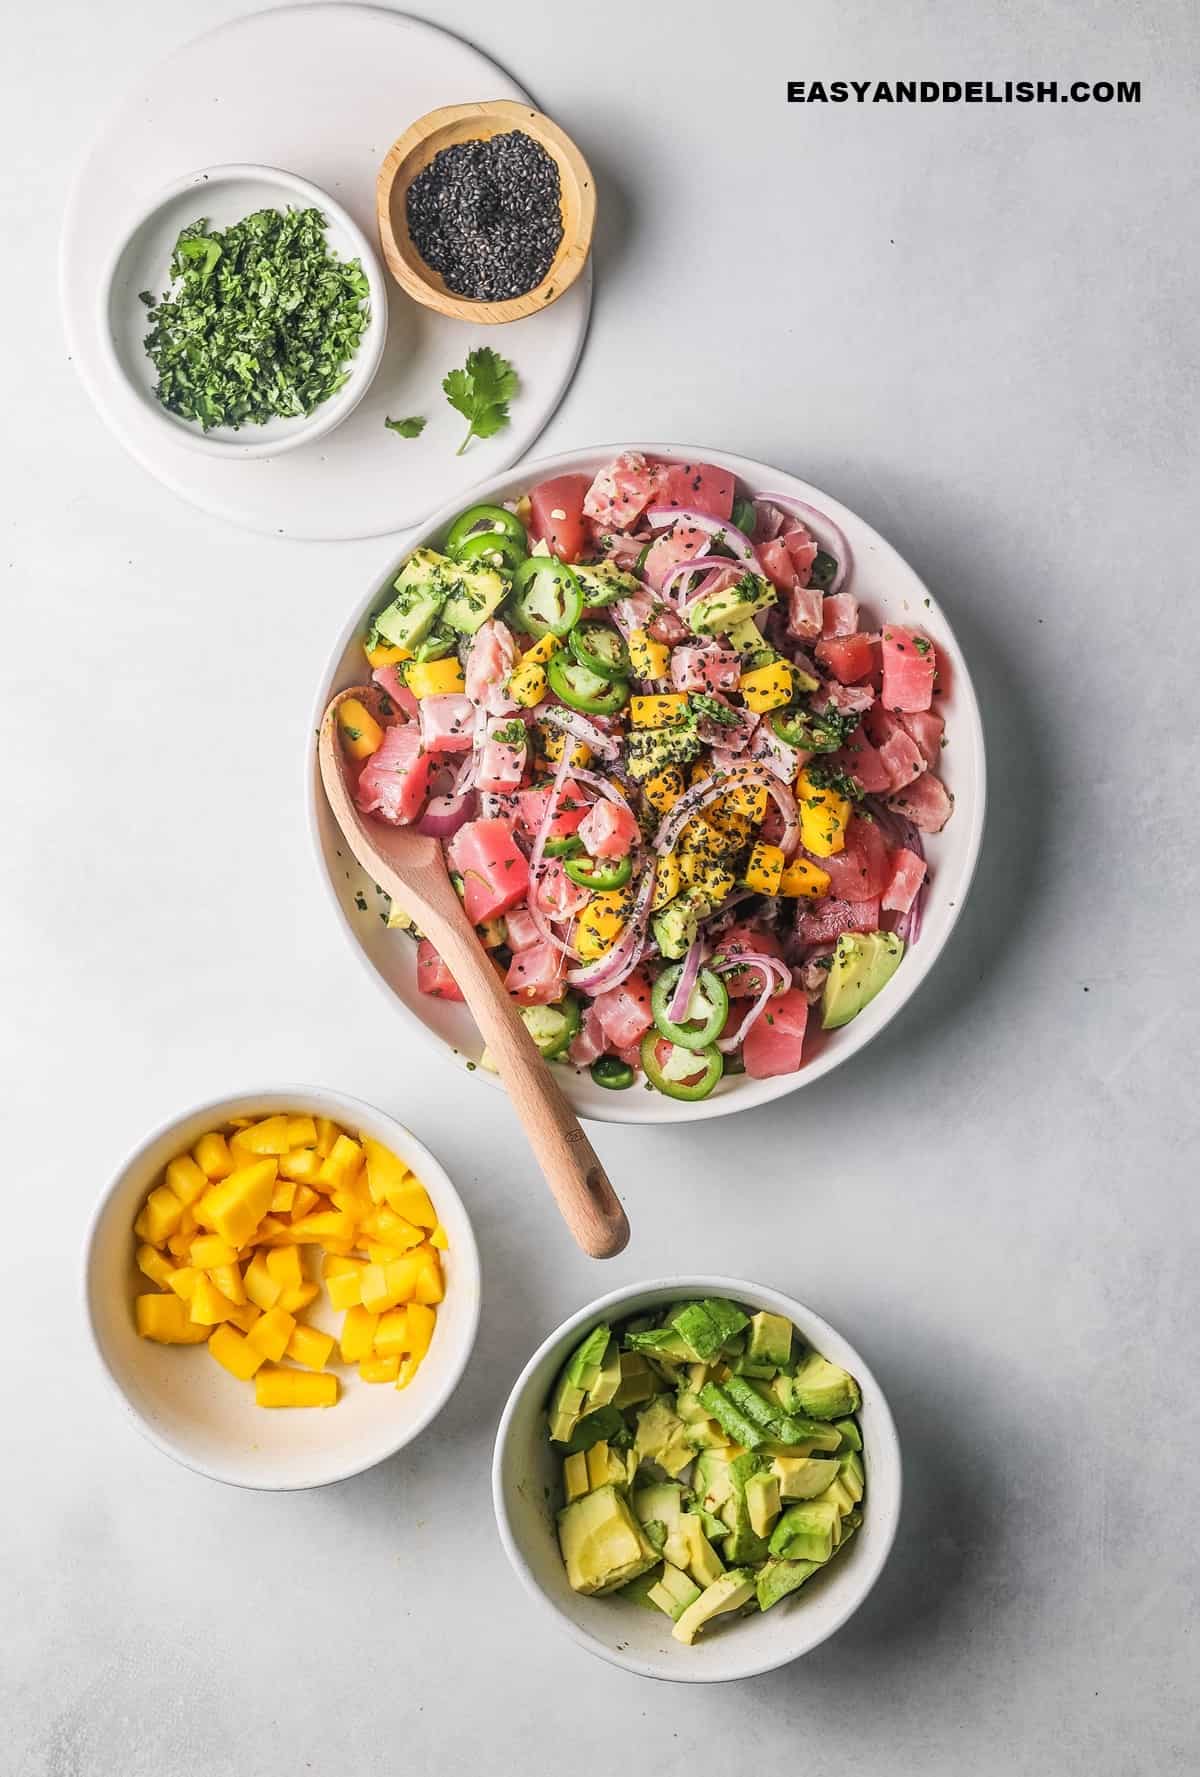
481,392
410,428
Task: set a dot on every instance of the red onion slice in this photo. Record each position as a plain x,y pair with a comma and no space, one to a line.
682,996
777,977
737,540
816,521
580,728
444,815
696,564
535,856
709,789
617,964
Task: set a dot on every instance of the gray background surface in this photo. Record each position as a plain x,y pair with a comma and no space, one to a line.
978,327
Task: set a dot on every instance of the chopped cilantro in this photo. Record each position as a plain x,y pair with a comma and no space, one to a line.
410,428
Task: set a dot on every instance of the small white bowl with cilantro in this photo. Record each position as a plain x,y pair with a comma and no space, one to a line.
247,310
729,1504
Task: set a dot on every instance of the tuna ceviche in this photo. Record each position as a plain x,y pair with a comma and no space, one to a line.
680,777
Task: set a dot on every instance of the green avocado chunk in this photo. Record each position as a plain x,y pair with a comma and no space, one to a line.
579,1374
716,612
777,1577
770,1339
730,1592
477,593
808,1532
706,1326
863,963
418,594
804,1477
661,1437
823,1390
603,1545
674,1591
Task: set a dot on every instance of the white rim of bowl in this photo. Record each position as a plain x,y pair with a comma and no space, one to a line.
738,1289
248,1099
364,365
918,969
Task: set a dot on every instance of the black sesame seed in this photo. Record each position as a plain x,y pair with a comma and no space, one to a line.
488,216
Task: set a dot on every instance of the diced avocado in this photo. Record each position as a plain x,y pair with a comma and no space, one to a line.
662,1341
603,1545
674,1591
575,1476
713,1482
730,1592
706,1434
803,1477
840,1494
605,1423
777,1577
603,582
745,636
851,1436
770,1339
762,1502
676,926
578,1374
437,644
716,611
477,593
729,1417
807,1532
853,1474
663,1501
756,1407
605,1464
703,1562
824,1390
661,1437
638,1381
647,750
638,1590
706,1326
743,1545
419,592
863,963
608,1377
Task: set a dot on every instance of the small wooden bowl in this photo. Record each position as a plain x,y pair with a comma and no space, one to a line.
475,123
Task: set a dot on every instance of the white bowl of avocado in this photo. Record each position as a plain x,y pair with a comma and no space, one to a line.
699,1478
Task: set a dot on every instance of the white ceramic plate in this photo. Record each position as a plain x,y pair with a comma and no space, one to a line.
344,82
224,195
889,591
526,1477
205,1418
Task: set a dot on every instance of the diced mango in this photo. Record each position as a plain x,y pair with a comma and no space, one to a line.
541,651
234,1208
392,1334
304,1202
658,709
552,743
228,1280
824,817
663,790
283,1196
327,1134
767,687
649,659
384,1169
421,1322
341,1165
435,678
383,1286
322,1227
601,923
440,1239
310,1347
300,1164
268,1136
183,1281
301,1132
160,1216
188,1181
156,1266
748,800
360,732
804,878
295,1388
207,1305
668,881
411,1201
209,1250
764,869
527,684
263,1289
386,654
212,1156
430,1286
408,1369
180,1245
272,1332
166,1320
234,1352
297,1300
243,1318
358,1334
285,1265
379,1369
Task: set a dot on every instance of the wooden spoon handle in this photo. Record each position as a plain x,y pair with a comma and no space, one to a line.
579,1183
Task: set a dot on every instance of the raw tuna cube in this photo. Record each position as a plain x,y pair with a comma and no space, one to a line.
927,803
535,976
388,679
522,930
489,663
774,1042
902,758
681,543
621,491
819,921
926,728
847,658
433,977
705,669
447,723
908,873
864,762
839,615
804,613
501,764
862,869
699,487
624,1012
909,665
394,782
608,830
492,866
588,1044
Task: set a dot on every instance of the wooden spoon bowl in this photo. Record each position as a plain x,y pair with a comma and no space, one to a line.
412,870
444,128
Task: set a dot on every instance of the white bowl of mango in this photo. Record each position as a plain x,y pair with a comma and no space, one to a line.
283,1287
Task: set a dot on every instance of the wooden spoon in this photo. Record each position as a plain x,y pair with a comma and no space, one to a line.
411,869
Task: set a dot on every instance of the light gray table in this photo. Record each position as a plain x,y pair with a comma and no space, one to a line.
978,327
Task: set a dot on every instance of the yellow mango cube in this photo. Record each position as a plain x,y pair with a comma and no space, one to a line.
283,1196
435,678
392,1335
310,1347
440,1239
179,1246
295,1388
747,800
235,1207
341,1165
804,878
430,1287
212,1156
358,1334
668,881
421,1322
327,1134
304,1202
527,685
824,817
663,790
386,654
344,1285
322,1227
261,1288
166,1320
301,1132
383,1286
155,1265
183,1281
648,659
601,923
160,1216
234,1352
411,1201
385,1170
269,1136
286,1266
659,709
271,1333
297,1300
300,1164
188,1181
207,1305
552,742
243,1318
541,651
228,1280
379,1369
207,1251
764,869
360,733
767,687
